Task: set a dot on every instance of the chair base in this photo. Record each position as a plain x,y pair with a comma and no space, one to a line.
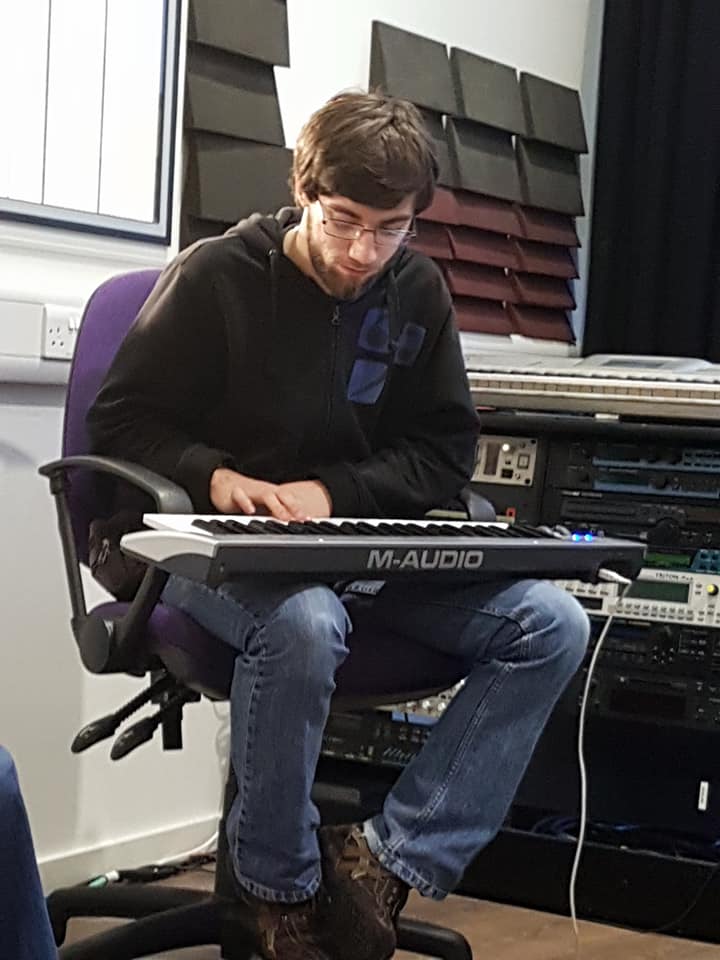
167,918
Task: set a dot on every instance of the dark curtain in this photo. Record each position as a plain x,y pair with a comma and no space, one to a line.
654,281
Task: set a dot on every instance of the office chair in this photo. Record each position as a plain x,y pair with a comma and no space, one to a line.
183,662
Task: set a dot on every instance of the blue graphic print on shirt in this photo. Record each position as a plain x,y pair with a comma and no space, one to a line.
375,331
369,373
366,380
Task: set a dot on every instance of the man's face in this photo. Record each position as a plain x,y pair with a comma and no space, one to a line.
346,263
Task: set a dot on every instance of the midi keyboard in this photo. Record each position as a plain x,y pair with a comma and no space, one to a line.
214,549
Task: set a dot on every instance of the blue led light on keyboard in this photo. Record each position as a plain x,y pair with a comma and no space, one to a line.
588,537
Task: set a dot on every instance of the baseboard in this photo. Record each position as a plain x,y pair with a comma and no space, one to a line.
77,866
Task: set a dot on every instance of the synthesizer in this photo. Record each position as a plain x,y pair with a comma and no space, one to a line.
681,388
214,549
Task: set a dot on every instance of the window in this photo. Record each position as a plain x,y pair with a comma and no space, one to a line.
88,93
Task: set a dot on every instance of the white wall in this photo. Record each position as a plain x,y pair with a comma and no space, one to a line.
330,41
89,814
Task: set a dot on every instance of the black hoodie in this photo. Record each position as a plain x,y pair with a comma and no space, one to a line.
239,359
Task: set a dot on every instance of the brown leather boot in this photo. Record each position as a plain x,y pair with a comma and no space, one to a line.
280,931
283,931
361,899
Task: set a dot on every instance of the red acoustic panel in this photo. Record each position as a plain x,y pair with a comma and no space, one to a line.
432,239
481,316
506,264
542,291
443,209
545,258
547,226
482,246
472,280
540,323
487,213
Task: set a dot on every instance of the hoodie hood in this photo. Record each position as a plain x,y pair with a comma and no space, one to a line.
262,233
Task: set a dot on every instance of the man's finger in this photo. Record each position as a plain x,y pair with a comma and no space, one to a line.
290,501
241,501
276,508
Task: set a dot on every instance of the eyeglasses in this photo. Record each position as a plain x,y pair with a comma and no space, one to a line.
348,230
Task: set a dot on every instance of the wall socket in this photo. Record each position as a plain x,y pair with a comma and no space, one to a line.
60,329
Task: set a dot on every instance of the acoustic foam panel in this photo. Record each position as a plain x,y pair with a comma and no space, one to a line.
553,113
415,68
546,227
230,179
254,28
232,95
483,159
434,123
487,213
550,177
539,291
482,246
432,240
195,229
482,316
472,280
443,209
487,91
475,210
545,258
541,323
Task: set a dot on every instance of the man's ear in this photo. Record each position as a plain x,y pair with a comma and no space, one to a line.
301,198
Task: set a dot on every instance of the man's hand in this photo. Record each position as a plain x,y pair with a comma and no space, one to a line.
311,498
233,492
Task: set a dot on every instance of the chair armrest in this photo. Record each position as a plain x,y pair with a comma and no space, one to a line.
117,646
168,496
476,506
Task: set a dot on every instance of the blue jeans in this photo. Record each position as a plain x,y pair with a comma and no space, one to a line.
521,640
24,925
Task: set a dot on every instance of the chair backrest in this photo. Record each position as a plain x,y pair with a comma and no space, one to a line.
108,316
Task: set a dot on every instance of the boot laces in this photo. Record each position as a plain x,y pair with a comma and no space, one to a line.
360,864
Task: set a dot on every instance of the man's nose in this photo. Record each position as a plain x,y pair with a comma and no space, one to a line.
364,250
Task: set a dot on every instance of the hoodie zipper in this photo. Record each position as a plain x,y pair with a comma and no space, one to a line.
335,325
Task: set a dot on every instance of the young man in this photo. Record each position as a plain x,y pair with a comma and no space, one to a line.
307,365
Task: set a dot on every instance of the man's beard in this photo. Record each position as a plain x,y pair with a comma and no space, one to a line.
339,286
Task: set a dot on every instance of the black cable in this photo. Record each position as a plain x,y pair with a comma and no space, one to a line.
151,872
688,910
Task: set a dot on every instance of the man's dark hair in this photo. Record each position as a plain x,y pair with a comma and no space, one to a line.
369,147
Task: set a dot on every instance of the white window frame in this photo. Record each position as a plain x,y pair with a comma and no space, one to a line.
157,231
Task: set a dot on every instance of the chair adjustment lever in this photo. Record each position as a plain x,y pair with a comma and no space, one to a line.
104,727
143,730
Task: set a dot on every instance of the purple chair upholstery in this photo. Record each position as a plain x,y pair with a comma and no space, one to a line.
108,316
377,666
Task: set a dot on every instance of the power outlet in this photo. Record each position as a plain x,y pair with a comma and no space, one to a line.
60,329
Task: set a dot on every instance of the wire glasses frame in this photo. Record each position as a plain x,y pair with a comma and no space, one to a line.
382,236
